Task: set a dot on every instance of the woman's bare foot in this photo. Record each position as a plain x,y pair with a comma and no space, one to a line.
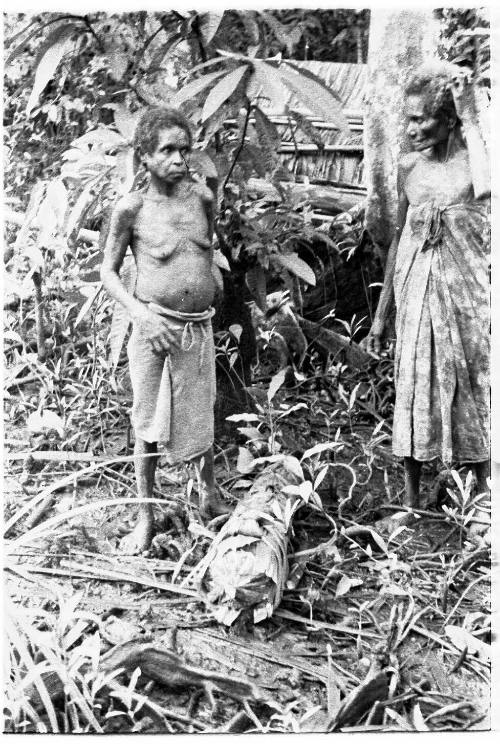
139,540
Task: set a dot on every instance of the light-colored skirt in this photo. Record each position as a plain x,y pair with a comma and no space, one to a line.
174,393
442,359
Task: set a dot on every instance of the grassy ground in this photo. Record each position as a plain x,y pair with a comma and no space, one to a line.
382,626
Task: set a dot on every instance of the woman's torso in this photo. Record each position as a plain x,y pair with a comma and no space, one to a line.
439,183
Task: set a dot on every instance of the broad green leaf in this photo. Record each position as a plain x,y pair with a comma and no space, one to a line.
196,86
266,83
222,91
269,139
346,584
201,162
318,448
305,490
251,433
103,137
275,384
245,460
11,39
313,93
418,719
217,275
247,417
79,210
256,282
125,121
308,128
21,47
320,477
36,197
59,43
379,540
87,304
221,261
209,24
461,638
296,265
51,214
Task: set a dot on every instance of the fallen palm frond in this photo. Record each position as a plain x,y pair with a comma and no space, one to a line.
246,567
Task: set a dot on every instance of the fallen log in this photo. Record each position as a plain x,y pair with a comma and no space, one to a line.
335,343
246,568
331,199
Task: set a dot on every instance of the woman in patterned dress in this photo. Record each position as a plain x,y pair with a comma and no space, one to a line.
437,272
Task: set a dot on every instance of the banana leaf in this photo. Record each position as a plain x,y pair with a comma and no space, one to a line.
246,568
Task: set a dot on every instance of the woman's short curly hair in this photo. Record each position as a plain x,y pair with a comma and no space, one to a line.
152,122
433,81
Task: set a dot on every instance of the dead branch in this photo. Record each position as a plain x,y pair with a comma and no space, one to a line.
335,343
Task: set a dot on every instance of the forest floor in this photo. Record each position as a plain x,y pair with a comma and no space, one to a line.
384,630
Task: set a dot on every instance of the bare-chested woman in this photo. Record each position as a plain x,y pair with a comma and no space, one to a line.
171,350
437,272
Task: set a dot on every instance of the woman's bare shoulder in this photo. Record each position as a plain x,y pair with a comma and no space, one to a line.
408,161
127,207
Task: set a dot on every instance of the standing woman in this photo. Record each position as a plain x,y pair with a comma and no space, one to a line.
437,272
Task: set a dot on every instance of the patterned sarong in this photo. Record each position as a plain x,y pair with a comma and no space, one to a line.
441,287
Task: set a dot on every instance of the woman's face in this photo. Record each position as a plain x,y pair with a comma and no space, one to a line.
423,129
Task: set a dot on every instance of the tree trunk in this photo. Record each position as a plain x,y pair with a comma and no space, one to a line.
233,378
399,42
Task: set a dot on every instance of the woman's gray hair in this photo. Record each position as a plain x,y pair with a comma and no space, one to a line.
433,82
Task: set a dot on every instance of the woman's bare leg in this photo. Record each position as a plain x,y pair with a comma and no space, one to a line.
140,538
210,505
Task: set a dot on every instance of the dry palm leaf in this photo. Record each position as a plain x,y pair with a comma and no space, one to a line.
246,567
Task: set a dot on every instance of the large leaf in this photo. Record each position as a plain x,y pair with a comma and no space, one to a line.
201,162
269,139
102,137
79,210
308,128
92,292
58,43
332,99
209,23
275,384
125,120
256,283
266,83
314,94
296,266
196,86
52,212
21,47
222,91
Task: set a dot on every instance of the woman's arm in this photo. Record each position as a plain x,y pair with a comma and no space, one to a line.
374,339
465,105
